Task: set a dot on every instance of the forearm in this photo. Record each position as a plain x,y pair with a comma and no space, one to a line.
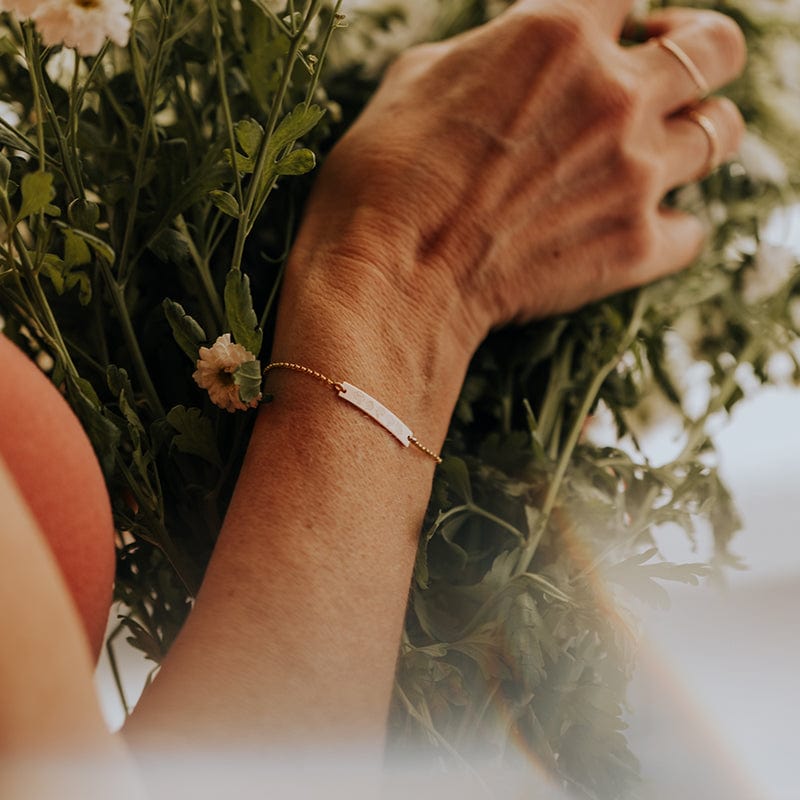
524,188
297,626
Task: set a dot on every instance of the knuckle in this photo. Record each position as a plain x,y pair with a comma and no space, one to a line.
621,100
559,30
636,176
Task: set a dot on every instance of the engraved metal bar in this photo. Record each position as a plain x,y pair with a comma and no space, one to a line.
372,408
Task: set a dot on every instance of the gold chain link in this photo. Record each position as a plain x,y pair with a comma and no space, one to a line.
337,386
305,370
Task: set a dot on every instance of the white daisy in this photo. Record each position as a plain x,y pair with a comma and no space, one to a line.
215,369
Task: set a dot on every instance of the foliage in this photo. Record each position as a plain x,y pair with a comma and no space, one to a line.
149,196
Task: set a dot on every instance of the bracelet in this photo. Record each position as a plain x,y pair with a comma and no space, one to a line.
364,402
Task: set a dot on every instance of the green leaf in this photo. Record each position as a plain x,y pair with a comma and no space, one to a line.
101,248
17,141
486,648
242,319
138,451
185,329
225,202
76,251
102,433
248,378
239,162
143,640
195,434
249,134
119,385
64,277
298,162
530,640
170,246
456,472
261,61
293,126
448,531
639,578
37,193
8,47
53,268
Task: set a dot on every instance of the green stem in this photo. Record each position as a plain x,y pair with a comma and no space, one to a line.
696,438
78,96
475,510
272,296
282,260
312,86
154,76
487,515
638,527
203,270
115,672
164,542
44,103
528,552
22,142
52,331
727,389
116,293
219,59
32,56
557,384
252,205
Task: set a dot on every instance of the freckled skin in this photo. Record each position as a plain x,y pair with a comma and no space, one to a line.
57,473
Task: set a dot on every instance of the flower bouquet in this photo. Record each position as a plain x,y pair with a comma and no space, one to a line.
156,156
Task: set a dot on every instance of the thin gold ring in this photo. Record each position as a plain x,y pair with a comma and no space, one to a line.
678,53
714,146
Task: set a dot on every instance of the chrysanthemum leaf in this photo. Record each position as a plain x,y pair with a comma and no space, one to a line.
248,378
195,434
186,330
242,320
37,193
298,162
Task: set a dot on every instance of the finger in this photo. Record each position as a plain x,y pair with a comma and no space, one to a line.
678,240
692,149
710,42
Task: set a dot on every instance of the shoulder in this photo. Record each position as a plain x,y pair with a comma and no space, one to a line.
57,475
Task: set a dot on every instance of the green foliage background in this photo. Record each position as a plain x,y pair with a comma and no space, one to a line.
130,240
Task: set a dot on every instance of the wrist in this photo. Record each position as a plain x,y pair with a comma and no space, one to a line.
366,321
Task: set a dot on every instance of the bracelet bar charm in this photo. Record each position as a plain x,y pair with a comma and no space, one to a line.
368,405
372,408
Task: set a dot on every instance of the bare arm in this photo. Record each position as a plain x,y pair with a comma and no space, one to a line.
511,173
48,706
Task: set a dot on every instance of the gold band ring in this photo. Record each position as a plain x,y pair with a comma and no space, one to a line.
679,54
714,146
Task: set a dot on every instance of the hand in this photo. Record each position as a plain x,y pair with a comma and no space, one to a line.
518,170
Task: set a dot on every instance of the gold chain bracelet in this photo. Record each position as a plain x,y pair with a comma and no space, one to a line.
364,402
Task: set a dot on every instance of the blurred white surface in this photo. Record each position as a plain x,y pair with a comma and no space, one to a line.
717,696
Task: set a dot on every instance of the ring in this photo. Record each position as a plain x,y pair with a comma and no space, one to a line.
668,46
714,147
